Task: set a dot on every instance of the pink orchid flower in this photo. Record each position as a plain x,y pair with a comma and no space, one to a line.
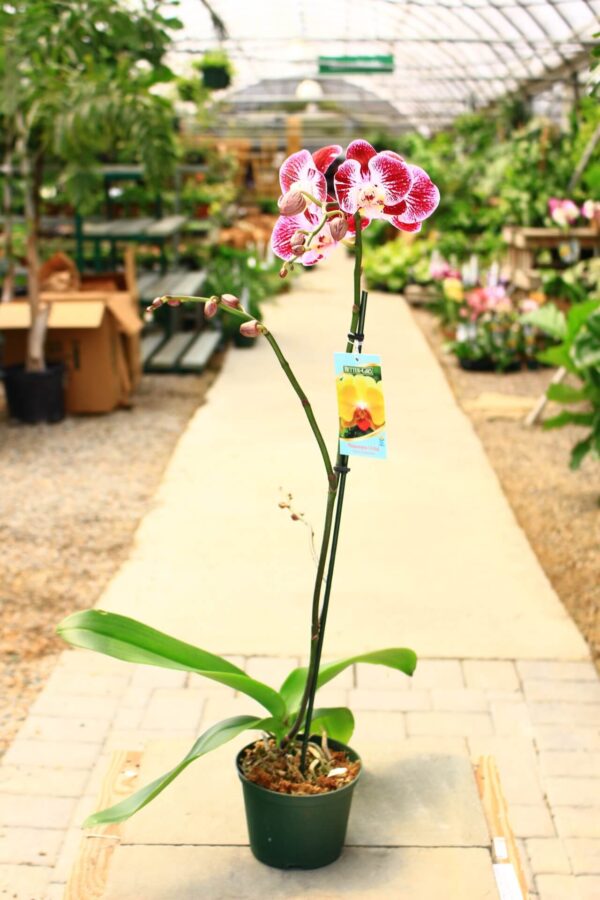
384,186
563,212
591,210
304,171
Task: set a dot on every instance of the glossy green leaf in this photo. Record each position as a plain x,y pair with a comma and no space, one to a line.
400,658
580,451
336,721
578,314
585,351
564,393
548,318
132,641
568,418
219,734
556,356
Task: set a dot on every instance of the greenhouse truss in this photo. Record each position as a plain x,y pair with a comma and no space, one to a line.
416,63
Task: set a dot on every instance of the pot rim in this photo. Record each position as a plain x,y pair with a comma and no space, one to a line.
302,797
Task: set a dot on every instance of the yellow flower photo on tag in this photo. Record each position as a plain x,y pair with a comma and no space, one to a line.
361,406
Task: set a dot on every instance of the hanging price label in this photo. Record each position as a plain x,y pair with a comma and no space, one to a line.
361,406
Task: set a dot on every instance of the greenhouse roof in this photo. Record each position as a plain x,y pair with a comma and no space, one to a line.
430,59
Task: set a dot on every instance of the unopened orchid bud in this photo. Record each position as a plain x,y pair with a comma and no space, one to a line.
283,272
338,228
231,301
292,203
211,308
156,303
298,243
250,329
174,301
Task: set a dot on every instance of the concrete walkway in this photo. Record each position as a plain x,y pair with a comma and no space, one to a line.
431,557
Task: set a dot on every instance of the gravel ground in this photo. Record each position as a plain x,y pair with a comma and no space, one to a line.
558,509
72,496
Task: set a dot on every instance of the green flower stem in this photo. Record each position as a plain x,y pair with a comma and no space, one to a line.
243,315
305,405
319,620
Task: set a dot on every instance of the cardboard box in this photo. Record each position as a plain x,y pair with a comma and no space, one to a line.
95,335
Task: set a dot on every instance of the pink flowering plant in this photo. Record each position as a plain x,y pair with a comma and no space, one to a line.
491,332
368,185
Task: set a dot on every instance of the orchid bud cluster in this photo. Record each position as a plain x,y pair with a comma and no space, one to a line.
250,328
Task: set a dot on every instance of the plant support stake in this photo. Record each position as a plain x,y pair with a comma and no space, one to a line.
341,468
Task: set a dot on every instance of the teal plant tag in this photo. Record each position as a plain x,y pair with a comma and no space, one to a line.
361,406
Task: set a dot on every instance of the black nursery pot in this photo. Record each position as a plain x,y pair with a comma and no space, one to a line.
485,364
288,831
34,397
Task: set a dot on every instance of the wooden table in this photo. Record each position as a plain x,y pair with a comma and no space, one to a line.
523,244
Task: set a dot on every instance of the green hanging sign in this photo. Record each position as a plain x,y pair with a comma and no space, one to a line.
356,65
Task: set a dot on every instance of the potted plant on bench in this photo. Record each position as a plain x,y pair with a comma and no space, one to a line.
298,777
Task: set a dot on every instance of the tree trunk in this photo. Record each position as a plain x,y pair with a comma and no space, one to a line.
39,314
8,284
34,361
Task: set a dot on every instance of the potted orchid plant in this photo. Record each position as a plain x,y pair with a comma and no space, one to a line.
298,777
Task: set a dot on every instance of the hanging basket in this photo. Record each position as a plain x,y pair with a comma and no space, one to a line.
216,77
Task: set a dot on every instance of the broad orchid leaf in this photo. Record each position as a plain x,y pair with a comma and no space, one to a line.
400,658
336,721
219,734
128,639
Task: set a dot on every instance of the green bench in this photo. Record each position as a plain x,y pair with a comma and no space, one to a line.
174,349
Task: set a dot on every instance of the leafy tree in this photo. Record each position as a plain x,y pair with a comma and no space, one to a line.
77,83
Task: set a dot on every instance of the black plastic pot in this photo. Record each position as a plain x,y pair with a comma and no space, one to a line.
216,77
288,831
33,397
485,364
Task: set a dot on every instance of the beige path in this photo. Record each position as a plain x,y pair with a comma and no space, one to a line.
430,557
430,552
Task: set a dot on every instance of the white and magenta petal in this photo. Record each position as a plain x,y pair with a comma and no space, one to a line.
421,200
363,152
348,180
404,226
324,157
294,169
299,173
281,239
392,175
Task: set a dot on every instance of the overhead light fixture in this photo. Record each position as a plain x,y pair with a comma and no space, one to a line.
309,90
